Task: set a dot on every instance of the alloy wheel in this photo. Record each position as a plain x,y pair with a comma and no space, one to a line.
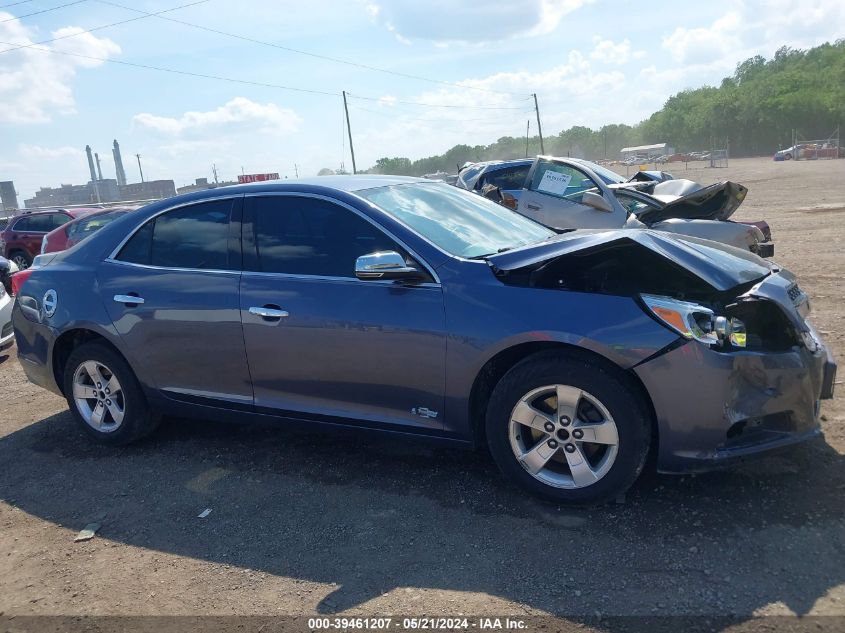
563,436
98,396
21,261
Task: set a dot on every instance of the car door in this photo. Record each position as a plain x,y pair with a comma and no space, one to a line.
321,342
172,293
554,195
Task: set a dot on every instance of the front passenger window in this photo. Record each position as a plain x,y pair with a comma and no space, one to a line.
307,236
561,181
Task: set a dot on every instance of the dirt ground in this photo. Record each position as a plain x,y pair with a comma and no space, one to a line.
309,524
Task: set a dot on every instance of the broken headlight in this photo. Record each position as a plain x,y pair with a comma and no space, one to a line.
694,321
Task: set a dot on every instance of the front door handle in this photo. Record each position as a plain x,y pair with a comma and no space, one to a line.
533,207
269,312
130,300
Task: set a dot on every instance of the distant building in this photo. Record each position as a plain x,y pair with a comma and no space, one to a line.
648,151
69,195
8,197
201,184
149,190
100,191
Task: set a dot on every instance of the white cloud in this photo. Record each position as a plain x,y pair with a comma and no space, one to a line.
237,114
753,27
609,52
38,152
443,21
701,44
36,85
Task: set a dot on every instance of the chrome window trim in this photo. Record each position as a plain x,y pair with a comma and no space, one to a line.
348,207
355,280
112,257
171,268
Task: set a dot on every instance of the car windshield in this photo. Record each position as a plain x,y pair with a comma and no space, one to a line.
461,223
609,176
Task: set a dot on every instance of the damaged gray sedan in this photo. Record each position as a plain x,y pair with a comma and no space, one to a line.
570,193
418,309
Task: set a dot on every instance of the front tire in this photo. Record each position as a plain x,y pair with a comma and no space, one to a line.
568,430
21,259
105,397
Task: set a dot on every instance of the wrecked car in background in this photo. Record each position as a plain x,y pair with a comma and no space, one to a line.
413,307
570,193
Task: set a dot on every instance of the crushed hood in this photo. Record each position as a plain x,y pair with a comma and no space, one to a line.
689,200
719,266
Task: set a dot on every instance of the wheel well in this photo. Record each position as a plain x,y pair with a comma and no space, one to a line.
498,366
69,341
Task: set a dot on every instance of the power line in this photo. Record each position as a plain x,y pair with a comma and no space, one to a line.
438,105
14,4
176,71
26,15
104,26
307,53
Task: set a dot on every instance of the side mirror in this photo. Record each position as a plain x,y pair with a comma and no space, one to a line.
386,265
596,201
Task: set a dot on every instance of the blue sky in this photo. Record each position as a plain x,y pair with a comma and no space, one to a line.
590,62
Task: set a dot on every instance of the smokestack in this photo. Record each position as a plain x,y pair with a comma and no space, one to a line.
118,165
99,169
91,163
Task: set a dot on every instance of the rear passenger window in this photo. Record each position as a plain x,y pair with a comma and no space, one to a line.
512,178
307,236
35,224
190,237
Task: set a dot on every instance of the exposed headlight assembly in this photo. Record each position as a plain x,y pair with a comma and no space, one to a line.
694,321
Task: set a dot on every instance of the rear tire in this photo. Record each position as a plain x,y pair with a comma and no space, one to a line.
568,430
105,397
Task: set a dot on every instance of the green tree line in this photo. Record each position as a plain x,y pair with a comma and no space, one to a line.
755,111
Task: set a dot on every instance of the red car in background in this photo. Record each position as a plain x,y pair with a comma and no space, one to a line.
21,240
75,231
67,235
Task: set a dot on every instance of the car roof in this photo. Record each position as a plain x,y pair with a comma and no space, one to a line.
348,183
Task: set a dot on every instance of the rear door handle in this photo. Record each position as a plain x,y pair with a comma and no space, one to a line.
129,299
269,312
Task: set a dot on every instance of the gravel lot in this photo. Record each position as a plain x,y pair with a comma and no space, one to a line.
308,524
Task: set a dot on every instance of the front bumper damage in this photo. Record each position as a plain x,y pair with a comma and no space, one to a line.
735,403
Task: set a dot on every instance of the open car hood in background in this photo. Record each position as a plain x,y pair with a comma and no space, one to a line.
689,200
719,266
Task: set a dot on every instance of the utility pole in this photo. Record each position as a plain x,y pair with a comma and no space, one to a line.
349,131
214,171
138,156
527,131
539,125
296,170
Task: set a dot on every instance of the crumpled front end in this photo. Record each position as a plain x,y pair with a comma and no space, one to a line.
715,403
